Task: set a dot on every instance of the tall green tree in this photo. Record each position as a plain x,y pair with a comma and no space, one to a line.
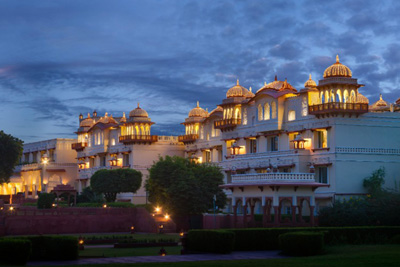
112,182
10,153
183,187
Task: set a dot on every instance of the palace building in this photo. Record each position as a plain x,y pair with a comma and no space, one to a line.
285,152
289,152
109,142
43,166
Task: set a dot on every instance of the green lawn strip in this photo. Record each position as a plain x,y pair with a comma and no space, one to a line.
352,256
125,238
127,252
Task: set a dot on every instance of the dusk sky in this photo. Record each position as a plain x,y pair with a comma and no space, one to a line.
62,58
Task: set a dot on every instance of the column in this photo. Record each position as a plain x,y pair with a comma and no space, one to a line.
234,215
252,221
244,214
312,220
264,208
294,214
276,215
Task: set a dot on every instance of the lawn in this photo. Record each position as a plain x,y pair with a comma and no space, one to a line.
127,252
352,256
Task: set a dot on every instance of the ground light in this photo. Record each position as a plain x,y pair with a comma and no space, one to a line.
81,243
166,216
162,252
105,206
132,229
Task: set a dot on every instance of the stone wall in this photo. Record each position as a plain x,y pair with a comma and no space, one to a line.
31,221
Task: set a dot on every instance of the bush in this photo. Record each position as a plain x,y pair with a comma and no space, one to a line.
268,238
54,247
214,241
395,240
302,243
15,251
45,200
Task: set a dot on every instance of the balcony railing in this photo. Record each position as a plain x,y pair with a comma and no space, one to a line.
227,123
338,107
138,138
79,146
188,138
280,176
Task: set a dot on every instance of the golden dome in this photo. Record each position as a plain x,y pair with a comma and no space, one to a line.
88,122
238,91
310,83
380,102
362,99
107,119
198,112
138,112
337,70
277,85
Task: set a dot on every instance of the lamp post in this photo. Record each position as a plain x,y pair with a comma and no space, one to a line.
45,160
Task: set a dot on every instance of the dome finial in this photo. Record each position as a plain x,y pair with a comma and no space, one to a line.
88,115
310,77
198,104
265,83
337,58
138,104
276,77
380,96
123,115
237,82
250,89
106,115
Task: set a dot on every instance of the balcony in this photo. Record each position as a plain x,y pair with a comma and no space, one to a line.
79,146
278,176
131,139
227,124
336,108
188,138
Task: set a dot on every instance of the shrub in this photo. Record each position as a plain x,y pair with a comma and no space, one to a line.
15,251
214,241
302,243
395,239
45,200
54,247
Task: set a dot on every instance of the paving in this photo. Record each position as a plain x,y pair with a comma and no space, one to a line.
238,255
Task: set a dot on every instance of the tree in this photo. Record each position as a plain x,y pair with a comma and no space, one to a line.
10,153
112,182
183,187
374,183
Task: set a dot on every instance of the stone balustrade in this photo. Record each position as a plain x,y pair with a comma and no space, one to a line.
262,177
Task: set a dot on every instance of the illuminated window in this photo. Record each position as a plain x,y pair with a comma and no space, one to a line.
208,156
113,142
267,111
260,112
273,110
322,138
291,115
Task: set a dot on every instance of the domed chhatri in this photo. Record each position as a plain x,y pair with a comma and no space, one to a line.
88,122
380,102
362,99
198,112
138,112
310,83
337,70
238,91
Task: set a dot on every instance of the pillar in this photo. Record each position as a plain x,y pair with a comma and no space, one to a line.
312,222
244,215
252,221
234,215
276,215
294,214
264,220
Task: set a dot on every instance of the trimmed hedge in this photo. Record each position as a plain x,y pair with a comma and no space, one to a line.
54,247
15,251
302,243
214,241
268,238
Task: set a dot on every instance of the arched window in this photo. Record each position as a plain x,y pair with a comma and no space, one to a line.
353,97
237,113
322,97
326,96
267,111
225,114
260,112
147,130
345,96
273,110
339,95
332,96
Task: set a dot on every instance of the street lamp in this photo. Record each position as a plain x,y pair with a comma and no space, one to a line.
45,160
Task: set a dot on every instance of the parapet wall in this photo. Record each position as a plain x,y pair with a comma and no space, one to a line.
31,221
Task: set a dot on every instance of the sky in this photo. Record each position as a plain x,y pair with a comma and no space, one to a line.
62,58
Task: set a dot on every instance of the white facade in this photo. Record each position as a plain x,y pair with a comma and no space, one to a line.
34,175
291,152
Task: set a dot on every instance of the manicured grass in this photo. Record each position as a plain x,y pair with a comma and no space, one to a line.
342,256
127,252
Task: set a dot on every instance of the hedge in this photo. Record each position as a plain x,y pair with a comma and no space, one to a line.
302,243
214,241
15,251
54,247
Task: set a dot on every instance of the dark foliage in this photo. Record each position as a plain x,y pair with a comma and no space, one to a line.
15,251
45,201
214,241
302,243
10,153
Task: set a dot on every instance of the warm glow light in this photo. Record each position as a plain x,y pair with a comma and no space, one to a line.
105,206
81,242
132,228
158,209
166,216
181,233
307,143
11,208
